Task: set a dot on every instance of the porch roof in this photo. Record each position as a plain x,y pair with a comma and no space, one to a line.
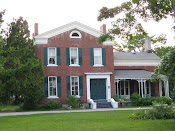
134,74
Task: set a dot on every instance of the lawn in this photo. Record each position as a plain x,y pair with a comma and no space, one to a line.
100,121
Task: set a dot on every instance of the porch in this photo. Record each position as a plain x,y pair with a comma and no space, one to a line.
130,81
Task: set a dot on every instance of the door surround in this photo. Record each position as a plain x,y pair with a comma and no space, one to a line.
105,75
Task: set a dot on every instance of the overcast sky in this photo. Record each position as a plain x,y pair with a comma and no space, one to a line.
54,13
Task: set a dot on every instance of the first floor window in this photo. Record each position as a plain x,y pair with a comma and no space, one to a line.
97,56
52,86
74,56
124,87
74,85
52,56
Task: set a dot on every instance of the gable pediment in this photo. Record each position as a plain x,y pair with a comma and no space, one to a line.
43,38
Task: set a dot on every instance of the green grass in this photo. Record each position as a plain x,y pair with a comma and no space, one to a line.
89,121
9,108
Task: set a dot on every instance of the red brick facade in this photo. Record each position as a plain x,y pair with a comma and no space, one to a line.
86,42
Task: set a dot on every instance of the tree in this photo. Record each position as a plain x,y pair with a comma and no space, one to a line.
162,51
129,27
21,79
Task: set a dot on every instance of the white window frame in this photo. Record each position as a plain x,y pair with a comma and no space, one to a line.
100,64
49,56
75,31
78,96
56,96
77,64
127,96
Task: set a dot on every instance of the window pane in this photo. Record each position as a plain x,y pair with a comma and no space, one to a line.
51,51
52,56
52,86
97,56
74,85
74,56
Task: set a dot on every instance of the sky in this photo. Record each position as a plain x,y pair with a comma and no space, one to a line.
50,14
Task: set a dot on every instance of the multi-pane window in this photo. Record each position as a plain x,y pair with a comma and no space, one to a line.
52,86
97,56
74,56
74,85
52,56
148,89
124,87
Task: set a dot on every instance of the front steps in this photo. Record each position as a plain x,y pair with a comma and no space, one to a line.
103,103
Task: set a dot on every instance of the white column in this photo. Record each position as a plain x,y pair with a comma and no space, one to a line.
117,87
139,85
142,88
160,88
164,86
145,88
167,88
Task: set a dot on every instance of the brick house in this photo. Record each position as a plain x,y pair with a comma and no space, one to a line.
75,64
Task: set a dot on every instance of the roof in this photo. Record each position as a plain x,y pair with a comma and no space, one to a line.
135,56
43,37
134,74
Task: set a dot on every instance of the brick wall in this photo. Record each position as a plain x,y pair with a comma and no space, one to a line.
86,42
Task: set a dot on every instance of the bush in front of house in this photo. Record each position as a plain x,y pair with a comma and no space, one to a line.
135,99
73,101
115,97
52,104
165,100
159,111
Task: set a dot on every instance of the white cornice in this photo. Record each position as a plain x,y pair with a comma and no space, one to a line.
73,25
99,73
136,62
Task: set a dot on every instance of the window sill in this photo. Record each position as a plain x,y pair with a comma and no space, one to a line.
98,65
52,97
77,96
75,65
52,65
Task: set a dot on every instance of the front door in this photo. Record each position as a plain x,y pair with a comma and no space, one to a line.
98,89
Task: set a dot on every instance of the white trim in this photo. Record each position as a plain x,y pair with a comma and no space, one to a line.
56,96
136,62
75,31
77,56
52,97
52,65
106,76
77,96
55,56
98,65
98,73
43,38
101,64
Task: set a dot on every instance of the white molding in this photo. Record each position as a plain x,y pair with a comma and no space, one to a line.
98,73
43,38
136,62
108,43
76,37
106,76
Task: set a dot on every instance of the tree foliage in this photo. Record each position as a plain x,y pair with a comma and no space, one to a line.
23,73
129,27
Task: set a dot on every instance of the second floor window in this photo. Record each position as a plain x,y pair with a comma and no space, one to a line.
97,56
74,56
51,56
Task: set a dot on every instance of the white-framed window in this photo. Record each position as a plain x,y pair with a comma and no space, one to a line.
124,88
52,86
97,56
74,56
52,56
75,34
74,80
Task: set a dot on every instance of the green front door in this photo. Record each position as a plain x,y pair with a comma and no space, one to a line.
98,89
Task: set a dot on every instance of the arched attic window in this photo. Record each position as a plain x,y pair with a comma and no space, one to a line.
75,34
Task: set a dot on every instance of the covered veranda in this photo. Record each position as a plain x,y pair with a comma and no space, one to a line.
130,81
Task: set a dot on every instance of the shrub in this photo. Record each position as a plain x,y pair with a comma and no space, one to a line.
165,100
74,101
145,101
115,97
135,98
52,104
159,111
